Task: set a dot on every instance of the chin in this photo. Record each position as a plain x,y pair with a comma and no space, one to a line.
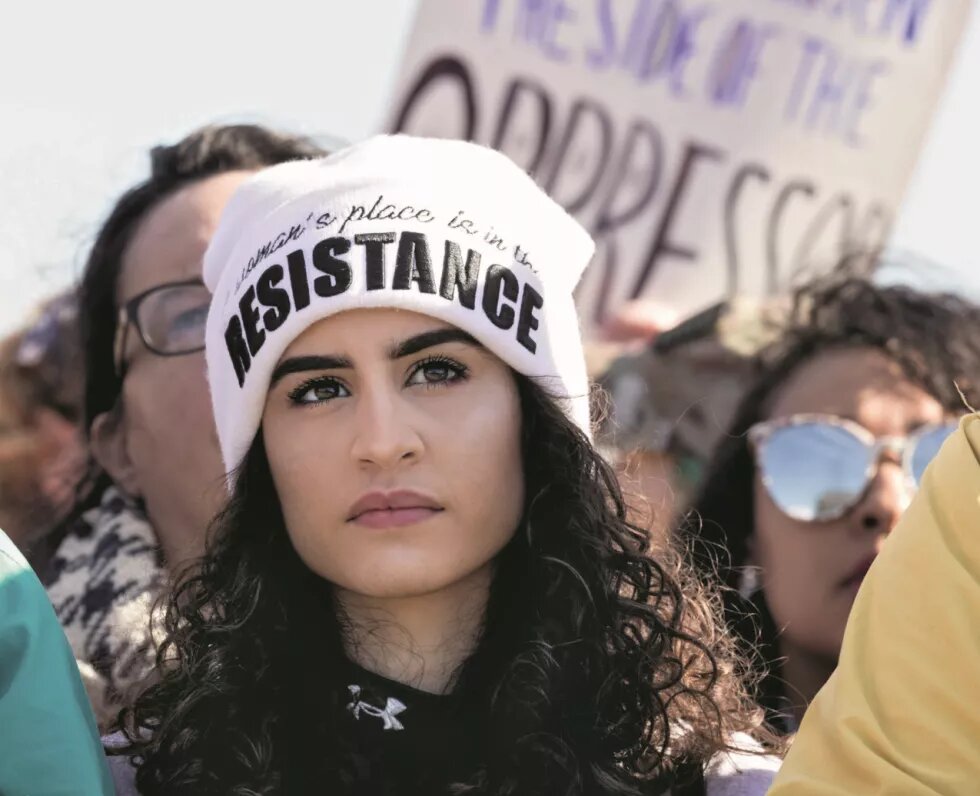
406,566
398,583
402,575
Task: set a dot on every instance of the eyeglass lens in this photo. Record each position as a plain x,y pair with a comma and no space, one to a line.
815,471
172,320
926,448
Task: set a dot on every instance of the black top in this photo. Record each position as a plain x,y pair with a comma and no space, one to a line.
408,741
399,741
416,742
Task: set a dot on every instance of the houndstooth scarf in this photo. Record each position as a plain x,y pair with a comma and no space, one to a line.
103,581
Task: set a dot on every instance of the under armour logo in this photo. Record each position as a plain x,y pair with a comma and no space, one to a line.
391,709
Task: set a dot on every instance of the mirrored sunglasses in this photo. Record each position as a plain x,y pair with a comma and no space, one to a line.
816,468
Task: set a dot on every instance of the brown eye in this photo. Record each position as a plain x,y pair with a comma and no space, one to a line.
318,391
436,371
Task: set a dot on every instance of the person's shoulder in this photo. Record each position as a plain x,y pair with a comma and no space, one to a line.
12,561
744,770
23,602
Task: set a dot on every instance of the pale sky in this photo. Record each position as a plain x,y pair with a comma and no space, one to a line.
89,87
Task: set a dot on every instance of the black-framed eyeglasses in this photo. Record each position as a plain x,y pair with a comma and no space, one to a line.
170,319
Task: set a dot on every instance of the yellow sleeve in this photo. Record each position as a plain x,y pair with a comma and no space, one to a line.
901,715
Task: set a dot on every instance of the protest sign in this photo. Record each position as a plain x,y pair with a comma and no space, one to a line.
712,147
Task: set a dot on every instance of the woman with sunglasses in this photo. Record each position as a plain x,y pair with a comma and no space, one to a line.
155,480
828,447
424,581
901,712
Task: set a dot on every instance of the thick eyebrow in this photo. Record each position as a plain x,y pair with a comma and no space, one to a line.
403,349
301,364
429,339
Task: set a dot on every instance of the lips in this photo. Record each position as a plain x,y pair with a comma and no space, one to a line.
857,574
389,509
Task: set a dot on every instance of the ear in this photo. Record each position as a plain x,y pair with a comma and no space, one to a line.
107,439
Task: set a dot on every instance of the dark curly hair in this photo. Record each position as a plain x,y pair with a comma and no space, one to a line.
933,337
602,666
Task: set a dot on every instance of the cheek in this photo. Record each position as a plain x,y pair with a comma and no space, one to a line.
315,481
168,398
802,565
480,457
788,553
169,417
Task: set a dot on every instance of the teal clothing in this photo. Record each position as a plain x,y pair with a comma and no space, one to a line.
49,744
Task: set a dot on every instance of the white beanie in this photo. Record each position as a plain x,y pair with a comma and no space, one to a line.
444,228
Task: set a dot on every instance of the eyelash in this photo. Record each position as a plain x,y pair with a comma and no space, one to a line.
458,372
296,395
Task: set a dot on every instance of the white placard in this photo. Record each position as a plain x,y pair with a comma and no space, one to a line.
711,148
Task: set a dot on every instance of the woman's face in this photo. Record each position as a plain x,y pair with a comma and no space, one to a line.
811,571
394,442
165,448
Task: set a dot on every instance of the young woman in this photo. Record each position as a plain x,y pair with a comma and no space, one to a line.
830,443
424,581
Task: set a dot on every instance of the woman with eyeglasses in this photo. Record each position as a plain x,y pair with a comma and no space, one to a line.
828,447
424,581
155,480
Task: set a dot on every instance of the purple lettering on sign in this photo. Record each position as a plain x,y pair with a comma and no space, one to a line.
736,63
903,21
832,92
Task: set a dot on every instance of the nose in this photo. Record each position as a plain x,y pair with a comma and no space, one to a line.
384,435
884,501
